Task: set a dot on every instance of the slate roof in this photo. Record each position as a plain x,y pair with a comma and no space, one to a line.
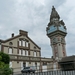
67,59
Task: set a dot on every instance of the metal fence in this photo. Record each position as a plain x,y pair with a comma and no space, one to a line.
45,72
52,72
57,72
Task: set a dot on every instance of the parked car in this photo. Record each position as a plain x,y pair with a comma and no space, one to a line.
29,69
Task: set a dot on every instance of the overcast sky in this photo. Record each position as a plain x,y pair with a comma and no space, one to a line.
33,16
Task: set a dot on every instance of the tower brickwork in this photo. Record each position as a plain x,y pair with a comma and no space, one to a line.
56,31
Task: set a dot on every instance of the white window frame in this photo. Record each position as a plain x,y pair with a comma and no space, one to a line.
23,42
34,54
23,53
10,64
54,66
26,53
10,50
26,44
21,65
19,51
27,64
20,43
0,47
33,63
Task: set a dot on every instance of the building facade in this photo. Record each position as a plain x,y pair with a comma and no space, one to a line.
24,52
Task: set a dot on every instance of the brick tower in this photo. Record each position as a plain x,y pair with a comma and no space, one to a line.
56,31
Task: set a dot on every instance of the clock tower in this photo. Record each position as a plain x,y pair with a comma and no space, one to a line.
56,31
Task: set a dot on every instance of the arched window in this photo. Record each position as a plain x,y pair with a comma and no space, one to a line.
10,43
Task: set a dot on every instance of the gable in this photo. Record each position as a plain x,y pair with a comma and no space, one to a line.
15,40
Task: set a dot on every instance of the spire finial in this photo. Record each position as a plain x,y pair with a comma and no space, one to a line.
53,8
54,13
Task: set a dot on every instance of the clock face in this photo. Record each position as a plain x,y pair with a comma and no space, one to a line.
51,29
61,28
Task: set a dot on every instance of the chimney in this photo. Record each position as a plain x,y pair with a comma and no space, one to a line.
12,34
21,32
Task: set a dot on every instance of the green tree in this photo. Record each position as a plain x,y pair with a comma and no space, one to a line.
5,58
4,69
4,64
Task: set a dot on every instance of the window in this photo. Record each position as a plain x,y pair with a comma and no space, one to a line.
10,43
21,65
19,52
35,63
54,40
23,42
29,52
20,44
58,38
26,44
24,64
27,63
44,63
26,53
23,53
54,66
55,47
34,47
63,47
0,47
10,64
34,54
10,50
39,54
56,54
62,40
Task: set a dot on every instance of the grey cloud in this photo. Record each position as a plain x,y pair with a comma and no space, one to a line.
33,16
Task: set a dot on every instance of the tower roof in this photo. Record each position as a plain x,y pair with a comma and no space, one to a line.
54,14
